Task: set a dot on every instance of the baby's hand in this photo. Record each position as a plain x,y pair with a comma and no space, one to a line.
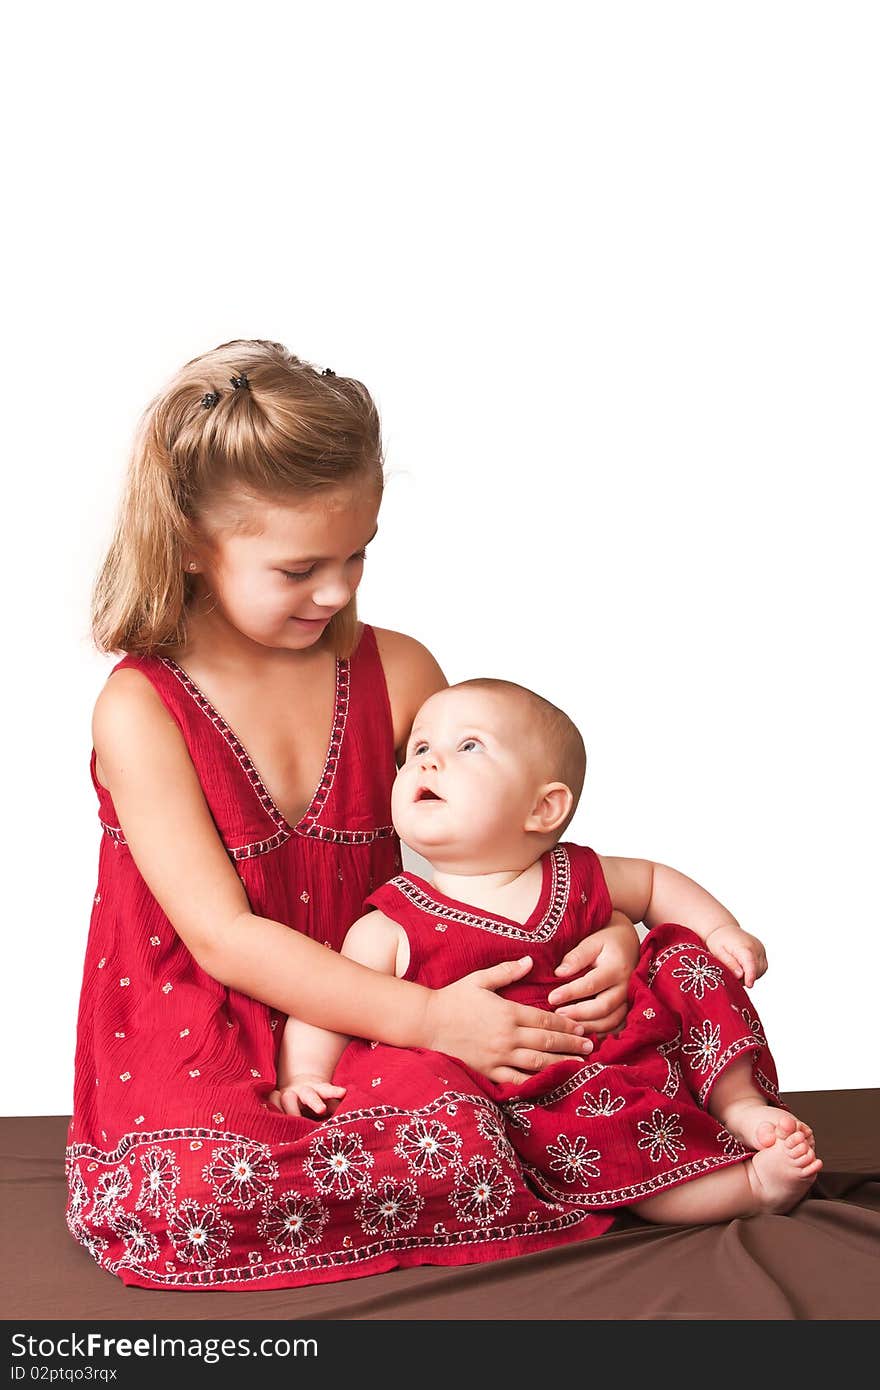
740,952
305,1094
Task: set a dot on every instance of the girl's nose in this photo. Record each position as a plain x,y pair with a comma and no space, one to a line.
332,593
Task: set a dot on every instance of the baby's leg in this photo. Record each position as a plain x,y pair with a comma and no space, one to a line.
774,1180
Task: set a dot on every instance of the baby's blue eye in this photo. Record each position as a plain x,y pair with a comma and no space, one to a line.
418,748
470,743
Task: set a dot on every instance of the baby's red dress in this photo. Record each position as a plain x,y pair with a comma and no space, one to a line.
179,1174
623,1124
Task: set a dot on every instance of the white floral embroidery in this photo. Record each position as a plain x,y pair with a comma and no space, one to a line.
697,975
753,1024
392,1207
292,1222
705,1045
162,1176
573,1159
109,1191
140,1244
729,1142
661,1136
198,1234
482,1192
491,1127
517,1113
241,1174
603,1104
86,1237
339,1163
79,1195
428,1146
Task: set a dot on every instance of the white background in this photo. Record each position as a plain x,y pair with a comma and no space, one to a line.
611,273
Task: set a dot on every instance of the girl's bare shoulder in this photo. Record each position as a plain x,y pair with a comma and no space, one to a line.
412,673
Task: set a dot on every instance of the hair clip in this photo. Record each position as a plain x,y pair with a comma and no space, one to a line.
239,381
210,398
328,371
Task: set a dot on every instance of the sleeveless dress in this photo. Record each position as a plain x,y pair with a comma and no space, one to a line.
622,1125
180,1176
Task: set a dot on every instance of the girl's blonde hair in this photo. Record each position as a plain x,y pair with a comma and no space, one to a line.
291,430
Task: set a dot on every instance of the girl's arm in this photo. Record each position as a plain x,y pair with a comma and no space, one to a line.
175,845
308,1055
654,893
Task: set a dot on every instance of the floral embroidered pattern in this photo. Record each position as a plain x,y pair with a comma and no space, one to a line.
704,1046
573,1159
753,1023
661,1136
199,1234
517,1113
603,1104
140,1245
339,1163
698,975
482,1192
392,1207
293,1222
491,1127
729,1142
109,1191
428,1146
241,1175
162,1176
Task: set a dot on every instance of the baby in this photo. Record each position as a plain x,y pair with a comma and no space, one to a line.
677,1115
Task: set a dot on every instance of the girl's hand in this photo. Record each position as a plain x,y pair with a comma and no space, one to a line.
743,954
304,1095
502,1040
600,996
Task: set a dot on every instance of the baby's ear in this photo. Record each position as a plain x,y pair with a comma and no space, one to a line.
552,805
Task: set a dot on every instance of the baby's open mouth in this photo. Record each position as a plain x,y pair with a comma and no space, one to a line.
425,794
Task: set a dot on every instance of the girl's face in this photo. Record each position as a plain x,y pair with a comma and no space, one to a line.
281,585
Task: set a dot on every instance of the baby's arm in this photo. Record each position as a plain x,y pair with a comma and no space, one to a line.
654,893
308,1055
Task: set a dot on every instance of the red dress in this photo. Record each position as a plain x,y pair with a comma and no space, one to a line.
181,1177
618,1127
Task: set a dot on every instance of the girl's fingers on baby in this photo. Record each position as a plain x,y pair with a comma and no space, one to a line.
561,1029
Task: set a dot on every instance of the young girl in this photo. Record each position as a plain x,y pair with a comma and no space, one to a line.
492,778
244,752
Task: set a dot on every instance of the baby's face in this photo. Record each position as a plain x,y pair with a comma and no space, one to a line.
470,779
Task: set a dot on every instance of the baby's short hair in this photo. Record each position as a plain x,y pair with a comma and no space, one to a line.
560,736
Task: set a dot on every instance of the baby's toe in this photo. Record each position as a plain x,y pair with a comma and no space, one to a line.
786,1124
766,1135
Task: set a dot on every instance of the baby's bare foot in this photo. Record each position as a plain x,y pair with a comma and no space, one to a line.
758,1125
782,1174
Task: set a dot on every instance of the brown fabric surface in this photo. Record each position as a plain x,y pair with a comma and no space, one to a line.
820,1261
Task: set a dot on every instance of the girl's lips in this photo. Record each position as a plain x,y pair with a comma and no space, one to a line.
310,622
